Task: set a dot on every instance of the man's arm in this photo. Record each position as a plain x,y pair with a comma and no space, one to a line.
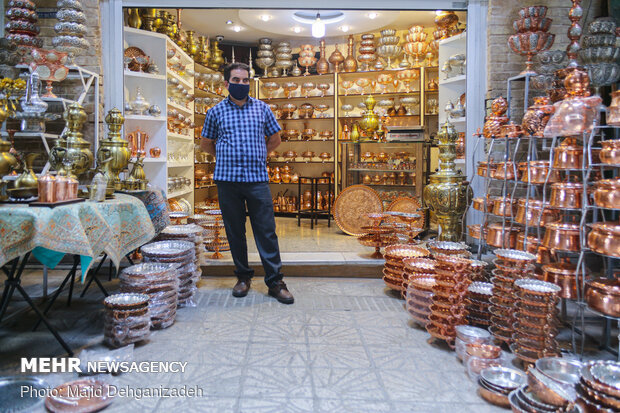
207,145
273,141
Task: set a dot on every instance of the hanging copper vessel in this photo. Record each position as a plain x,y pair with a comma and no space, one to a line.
322,66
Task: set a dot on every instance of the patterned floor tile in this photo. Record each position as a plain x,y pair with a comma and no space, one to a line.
282,315
351,405
275,405
430,386
277,382
198,404
327,317
338,356
389,336
414,406
278,355
333,383
333,334
414,359
214,380
224,332
380,318
279,333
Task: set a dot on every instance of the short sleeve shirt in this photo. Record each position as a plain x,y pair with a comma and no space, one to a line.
239,133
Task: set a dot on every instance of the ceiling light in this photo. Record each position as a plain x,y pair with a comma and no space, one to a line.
237,28
344,28
372,15
229,22
297,29
265,17
318,27
438,12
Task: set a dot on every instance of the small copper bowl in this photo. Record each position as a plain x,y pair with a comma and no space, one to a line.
568,157
503,207
483,351
495,235
610,154
560,236
603,295
534,211
538,172
505,170
605,238
607,193
566,195
562,274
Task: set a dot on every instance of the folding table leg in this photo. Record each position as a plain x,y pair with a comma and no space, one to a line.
69,276
93,277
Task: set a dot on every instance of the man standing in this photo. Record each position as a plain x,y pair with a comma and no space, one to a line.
241,130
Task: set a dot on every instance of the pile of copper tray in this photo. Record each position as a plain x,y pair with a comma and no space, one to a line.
599,387
393,270
477,304
419,298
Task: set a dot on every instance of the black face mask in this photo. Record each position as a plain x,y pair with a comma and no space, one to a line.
238,90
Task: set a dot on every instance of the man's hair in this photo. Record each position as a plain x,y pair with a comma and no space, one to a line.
229,68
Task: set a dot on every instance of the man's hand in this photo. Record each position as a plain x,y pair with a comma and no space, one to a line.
207,145
273,141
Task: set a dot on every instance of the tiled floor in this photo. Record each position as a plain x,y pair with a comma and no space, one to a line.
345,345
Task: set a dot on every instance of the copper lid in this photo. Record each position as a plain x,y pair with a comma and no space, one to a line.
607,227
533,203
566,226
567,185
611,286
564,269
608,183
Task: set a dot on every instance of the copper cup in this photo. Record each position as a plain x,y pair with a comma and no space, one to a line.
568,156
562,236
503,207
534,212
605,238
495,236
607,193
610,153
566,195
538,172
603,295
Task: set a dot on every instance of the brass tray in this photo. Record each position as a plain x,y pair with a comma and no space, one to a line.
352,207
410,205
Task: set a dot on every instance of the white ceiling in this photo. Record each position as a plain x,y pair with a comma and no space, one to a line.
212,22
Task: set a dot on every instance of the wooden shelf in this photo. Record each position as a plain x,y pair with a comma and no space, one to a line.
454,79
309,141
180,164
181,79
304,119
206,93
392,116
328,161
146,117
284,99
143,75
179,193
181,108
378,96
179,137
291,78
205,186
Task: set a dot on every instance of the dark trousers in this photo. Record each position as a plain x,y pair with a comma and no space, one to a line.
233,199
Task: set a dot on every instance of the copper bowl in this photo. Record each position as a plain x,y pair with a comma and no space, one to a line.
562,274
273,154
610,154
505,170
325,156
495,235
289,134
561,236
308,133
326,134
484,166
504,207
568,157
538,172
478,203
484,351
290,155
307,155
287,110
534,211
306,110
605,238
607,192
566,195
474,231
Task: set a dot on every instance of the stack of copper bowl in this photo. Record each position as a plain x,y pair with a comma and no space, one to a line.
603,296
478,305
550,387
481,356
511,265
127,319
192,233
536,324
393,270
448,309
496,383
599,387
604,238
458,249
469,335
419,299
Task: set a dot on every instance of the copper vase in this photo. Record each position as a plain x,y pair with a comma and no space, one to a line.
322,65
350,64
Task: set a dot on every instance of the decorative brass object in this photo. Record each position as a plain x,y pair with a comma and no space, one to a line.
7,160
133,18
217,55
191,47
336,59
204,54
72,155
168,26
149,19
27,179
574,32
284,58
537,116
116,148
367,51
350,64
322,66
180,36
447,194
446,22
370,120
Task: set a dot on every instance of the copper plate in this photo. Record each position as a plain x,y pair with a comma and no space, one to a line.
62,401
352,207
409,205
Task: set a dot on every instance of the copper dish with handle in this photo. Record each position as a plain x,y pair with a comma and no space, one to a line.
603,295
478,203
604,238
610,153
534,212
503,207
607,193
538,171
495,235
566,195
562,236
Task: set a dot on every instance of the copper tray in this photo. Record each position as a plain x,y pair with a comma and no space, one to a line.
352,207
61,400
409,205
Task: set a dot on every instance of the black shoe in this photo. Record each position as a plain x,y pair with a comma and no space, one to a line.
281,293
242,287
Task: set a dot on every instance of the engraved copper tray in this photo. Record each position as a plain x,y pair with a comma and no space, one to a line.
352,207
409,205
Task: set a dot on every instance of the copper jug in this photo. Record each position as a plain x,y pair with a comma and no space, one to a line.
350,64
322,66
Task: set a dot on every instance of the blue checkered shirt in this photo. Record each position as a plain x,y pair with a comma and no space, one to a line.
239,133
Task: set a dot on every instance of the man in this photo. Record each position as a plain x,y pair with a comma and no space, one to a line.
235,130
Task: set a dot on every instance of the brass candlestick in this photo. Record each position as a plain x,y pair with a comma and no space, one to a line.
447,194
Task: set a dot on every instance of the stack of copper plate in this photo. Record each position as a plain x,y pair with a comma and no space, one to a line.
477,304
449,248
448,309
599,387
419,298
393,271
511,265
418,267
536,325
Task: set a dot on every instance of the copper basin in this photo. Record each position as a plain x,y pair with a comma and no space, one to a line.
534,211
605,238
566,195
610,154
603,295
561,236
495,235
607,193
538,172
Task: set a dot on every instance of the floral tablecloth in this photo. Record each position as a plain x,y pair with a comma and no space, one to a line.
115,227
156,204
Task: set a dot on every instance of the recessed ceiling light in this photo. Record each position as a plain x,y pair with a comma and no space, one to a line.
237,28
372,15
344,28
438,12
296,29
229,22
265,17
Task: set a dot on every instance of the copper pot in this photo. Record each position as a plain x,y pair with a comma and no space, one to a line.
503,207
566,195
538,172
605,238
536,117
607,193
610,154
505,170
483,167
563,275
478,203
603,295
562,236
474,231
534,211
568,155
495,235
511,130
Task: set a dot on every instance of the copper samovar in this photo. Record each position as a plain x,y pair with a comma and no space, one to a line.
370,120
116,148
448,192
